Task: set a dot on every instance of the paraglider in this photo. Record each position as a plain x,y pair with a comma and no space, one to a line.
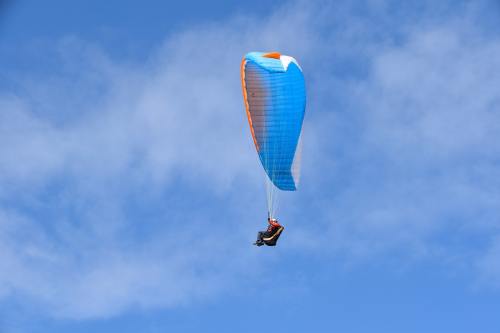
275,99
271,235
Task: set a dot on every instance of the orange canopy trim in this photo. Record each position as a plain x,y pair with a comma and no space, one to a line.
275,55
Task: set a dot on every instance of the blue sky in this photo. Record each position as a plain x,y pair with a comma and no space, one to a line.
130,190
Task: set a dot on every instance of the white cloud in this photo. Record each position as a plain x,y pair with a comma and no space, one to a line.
412,158
171,133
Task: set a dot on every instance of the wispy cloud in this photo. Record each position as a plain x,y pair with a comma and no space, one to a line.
118,179
411,161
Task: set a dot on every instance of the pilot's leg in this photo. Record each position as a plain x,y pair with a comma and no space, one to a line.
259,241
